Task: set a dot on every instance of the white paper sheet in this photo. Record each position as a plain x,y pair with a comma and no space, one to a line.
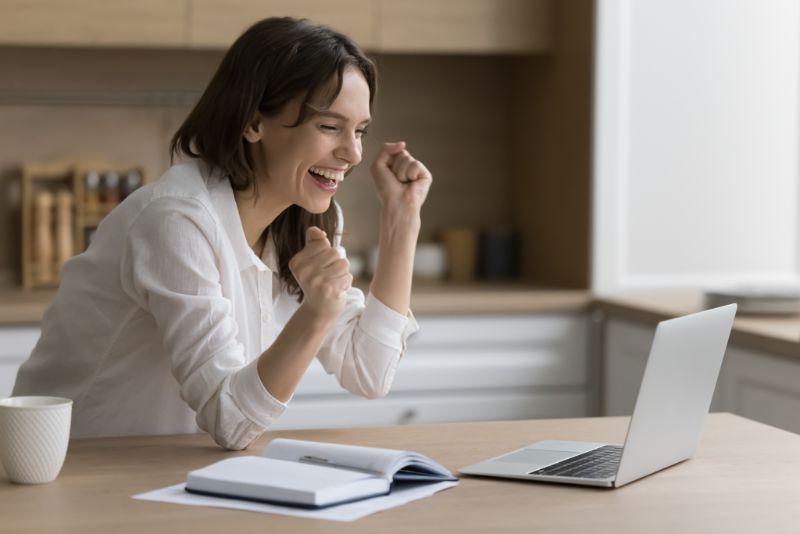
343,512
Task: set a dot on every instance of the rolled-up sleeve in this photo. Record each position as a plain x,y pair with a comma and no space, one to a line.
170,268
365,347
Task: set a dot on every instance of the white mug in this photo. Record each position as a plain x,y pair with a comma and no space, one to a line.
34,434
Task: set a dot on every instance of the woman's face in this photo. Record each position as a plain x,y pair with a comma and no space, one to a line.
304,165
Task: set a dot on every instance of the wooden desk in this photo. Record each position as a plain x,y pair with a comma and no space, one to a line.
745,477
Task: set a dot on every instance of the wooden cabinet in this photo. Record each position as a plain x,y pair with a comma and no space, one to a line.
217,23
462,81
16,344
466,26
428,26
465,368
753,384
414,26
128,23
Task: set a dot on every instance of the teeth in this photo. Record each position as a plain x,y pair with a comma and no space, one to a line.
330,175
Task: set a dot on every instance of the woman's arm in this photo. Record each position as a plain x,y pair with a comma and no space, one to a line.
325,278
402,184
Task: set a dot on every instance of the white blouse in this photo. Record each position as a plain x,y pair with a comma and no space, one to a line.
158,326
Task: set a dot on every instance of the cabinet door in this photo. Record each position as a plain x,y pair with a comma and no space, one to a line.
466,26
762,387
626,348
16,345
400,408
676,198
464,369
217,23
93,22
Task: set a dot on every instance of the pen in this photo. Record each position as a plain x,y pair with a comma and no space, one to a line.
317,460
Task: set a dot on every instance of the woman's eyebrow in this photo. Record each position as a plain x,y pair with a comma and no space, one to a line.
333,114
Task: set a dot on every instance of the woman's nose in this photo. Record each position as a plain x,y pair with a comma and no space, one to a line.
350,150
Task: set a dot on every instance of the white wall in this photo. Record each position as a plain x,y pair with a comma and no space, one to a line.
696,143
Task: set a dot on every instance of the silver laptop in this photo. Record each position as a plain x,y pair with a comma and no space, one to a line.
673,401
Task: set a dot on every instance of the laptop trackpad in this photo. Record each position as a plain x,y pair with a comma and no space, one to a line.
535,457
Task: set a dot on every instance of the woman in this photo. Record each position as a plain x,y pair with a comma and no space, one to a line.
204,297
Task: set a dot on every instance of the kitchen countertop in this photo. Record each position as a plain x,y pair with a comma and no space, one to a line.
19,307
779,334
775,334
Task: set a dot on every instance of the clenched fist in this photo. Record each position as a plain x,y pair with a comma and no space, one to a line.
323,275
401,180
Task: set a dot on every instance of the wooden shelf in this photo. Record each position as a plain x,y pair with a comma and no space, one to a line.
53,179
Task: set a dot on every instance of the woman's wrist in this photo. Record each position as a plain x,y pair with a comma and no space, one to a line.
315,320
400,221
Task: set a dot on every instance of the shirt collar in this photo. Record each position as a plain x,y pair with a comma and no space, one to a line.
224,203
270,254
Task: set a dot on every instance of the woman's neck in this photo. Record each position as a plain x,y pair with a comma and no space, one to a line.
256,214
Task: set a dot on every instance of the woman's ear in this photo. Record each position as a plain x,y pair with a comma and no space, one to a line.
254,130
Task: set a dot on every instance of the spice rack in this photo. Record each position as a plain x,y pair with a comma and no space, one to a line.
63,202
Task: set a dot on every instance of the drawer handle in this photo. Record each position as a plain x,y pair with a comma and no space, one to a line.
407,416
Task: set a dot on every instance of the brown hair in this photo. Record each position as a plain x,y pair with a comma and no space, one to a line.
272,62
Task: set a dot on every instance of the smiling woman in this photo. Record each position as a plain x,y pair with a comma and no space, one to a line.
204,296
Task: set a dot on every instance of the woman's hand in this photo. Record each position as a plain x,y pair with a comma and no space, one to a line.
322,274
402,181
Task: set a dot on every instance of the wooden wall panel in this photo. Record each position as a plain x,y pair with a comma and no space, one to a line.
551,162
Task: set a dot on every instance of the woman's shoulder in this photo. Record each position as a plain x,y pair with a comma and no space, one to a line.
181,192
183,180
183,184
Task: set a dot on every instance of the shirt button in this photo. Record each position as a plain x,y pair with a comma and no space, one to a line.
267,317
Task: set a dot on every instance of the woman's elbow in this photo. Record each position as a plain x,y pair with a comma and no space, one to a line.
373,394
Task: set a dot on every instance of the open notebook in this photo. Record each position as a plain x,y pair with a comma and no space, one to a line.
314,474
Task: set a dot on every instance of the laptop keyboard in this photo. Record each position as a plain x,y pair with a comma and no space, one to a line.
598,463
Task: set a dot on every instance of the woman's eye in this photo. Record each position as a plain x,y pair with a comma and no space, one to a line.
361,133
329,127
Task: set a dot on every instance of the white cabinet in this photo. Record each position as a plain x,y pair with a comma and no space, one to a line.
465,368
753,384
16,344
763,387
626,348
684,194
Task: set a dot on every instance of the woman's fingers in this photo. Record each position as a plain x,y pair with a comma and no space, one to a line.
401,164
416,171
406,168
318,261
314,233
387,153
401,180
312,260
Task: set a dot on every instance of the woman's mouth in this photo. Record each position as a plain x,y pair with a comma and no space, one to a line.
326,179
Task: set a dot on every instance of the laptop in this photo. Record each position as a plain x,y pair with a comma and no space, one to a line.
674,398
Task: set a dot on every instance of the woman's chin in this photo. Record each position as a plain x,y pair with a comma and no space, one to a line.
317,207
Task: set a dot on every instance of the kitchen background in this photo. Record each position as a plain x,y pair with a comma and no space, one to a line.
648,146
